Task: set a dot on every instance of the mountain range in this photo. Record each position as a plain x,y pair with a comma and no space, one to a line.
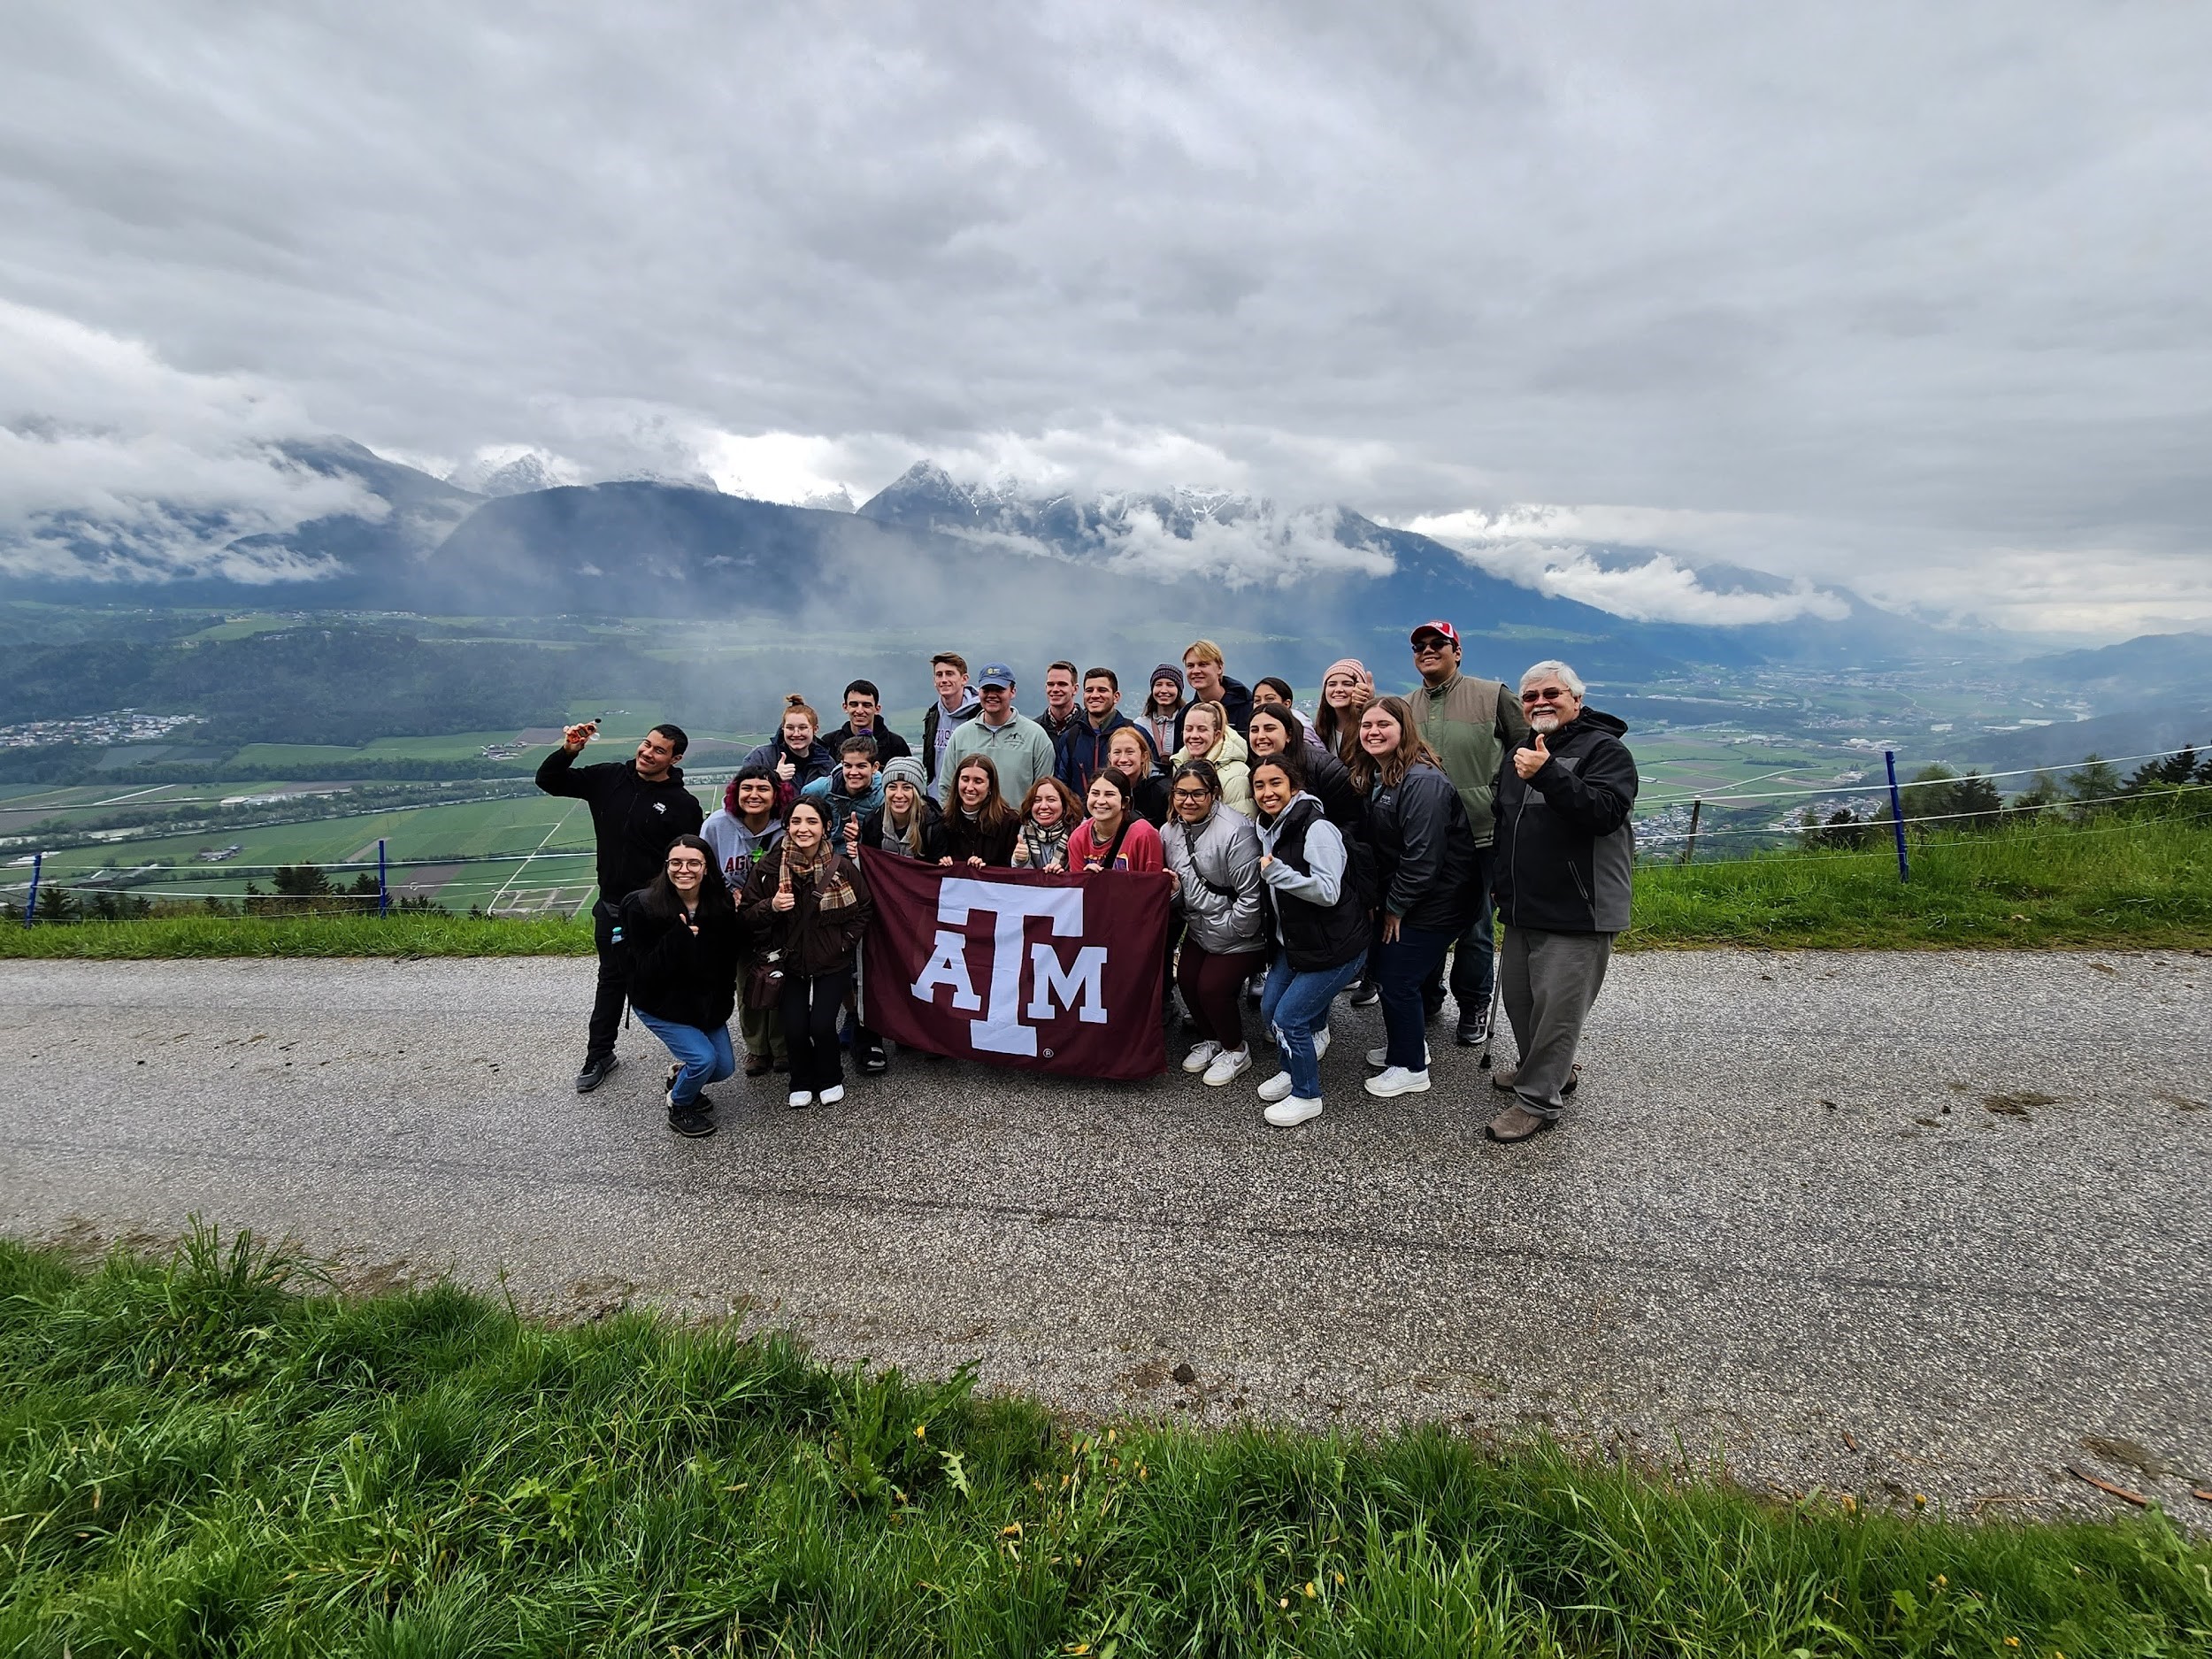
931,552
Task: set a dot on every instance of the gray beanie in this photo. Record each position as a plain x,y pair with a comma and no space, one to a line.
908,768
1168,670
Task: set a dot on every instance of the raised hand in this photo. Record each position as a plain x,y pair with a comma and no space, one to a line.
574,737
1529,761
784,770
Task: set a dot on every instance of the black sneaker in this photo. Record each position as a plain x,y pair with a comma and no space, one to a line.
873,1060
693,1125
597,1068
1476,1031
1367,996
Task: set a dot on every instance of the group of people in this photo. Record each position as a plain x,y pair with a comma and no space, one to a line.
1363,851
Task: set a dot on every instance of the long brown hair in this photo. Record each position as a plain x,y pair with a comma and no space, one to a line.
1412,748
714,893
1071,809
994,815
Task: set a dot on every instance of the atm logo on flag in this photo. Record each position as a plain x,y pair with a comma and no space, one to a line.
1020,968
1079,985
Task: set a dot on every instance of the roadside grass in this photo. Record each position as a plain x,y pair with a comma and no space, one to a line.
2124,884
2141,883
403,933
197,1459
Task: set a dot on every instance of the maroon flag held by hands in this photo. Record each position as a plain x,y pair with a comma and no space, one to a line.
1056,973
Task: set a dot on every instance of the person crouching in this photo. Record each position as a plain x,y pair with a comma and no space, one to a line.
680,933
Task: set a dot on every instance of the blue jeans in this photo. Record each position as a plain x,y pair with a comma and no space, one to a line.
1401,967
706,1055
1296,1006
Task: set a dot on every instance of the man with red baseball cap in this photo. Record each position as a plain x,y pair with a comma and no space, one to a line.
1472,725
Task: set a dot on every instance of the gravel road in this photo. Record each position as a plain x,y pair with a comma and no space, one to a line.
1904,1225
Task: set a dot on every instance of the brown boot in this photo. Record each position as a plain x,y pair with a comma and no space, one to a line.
1503,1077
1516,1122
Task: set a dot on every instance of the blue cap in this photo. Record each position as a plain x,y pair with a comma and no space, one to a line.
995,675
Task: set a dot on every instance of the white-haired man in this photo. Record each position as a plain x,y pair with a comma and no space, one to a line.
1561,874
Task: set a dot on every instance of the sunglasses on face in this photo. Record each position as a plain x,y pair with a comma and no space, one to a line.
1546,694
1424,648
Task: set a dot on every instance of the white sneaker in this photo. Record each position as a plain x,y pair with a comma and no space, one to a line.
801,1097
1397,1081
1381,1057
1275,1088
834,1093
1228,1066
1290,1113
1320,1042
1199,1058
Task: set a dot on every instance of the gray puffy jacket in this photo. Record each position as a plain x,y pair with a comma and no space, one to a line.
1217,860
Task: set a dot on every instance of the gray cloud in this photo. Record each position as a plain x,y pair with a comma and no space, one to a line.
1903,298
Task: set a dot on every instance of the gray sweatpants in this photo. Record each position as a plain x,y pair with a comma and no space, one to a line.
1548,982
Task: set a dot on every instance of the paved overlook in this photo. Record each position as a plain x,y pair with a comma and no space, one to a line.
1926,1223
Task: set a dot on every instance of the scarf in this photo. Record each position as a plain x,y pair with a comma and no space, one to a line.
832,890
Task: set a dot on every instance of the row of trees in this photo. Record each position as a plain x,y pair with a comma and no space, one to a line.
1938,799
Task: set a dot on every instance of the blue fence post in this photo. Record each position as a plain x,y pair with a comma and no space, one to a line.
1897,816
383,889
30,902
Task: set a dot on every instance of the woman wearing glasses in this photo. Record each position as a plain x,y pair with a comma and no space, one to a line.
1424,855
1213,856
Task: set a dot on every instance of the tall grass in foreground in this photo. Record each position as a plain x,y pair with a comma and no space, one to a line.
196,1460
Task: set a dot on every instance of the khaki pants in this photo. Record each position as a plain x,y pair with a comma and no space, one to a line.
763,1030
1548,982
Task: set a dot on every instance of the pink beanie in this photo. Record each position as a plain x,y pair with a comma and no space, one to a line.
1350,666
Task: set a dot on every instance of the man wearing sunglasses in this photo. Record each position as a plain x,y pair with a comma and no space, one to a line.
1472,725
1560,870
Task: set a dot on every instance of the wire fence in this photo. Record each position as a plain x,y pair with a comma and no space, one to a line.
502,883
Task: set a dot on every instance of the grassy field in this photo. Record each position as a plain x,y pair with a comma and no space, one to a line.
199,1461
2113,886
2142,883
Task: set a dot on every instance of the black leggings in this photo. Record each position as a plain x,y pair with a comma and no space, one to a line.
811,1008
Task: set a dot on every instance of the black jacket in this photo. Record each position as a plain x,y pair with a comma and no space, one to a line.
1424,851
932,831
1564,855
889,745
966,839
1150,800
1315,936
1331,784
633,820
1236,702
675,977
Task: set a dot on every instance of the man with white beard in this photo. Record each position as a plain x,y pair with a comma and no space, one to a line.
1561,872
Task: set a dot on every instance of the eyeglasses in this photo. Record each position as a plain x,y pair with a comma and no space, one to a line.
1192,794
1547,694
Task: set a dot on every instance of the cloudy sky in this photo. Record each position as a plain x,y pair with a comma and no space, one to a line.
1908,297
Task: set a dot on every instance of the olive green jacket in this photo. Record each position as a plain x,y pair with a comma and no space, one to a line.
1472,724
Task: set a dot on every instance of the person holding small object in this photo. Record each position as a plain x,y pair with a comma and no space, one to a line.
638,806
1049,817
1425,854
809,906
1213,857
1319,918
1113,836
1565,855
681,933
980,827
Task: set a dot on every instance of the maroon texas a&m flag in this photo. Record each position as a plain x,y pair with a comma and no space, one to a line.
1044,972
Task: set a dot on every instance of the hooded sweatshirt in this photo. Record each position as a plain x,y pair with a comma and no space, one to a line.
737,847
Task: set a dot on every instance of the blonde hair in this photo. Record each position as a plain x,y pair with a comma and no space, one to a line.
1205,650
1215,713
